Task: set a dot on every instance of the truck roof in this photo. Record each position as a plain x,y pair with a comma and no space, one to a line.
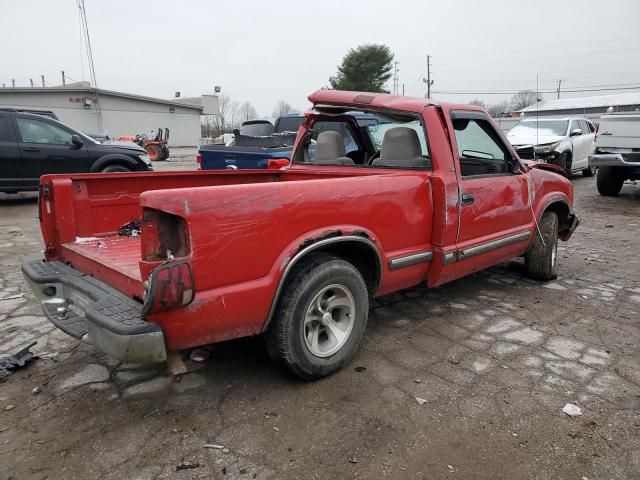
366,100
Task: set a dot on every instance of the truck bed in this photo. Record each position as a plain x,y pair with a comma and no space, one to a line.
84,213
111,257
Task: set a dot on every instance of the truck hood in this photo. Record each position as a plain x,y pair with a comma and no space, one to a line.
533,139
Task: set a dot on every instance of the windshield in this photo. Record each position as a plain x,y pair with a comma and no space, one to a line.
257,129
540,127
289,124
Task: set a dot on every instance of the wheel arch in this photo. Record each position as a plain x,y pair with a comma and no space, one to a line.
357,248
113,159
561,208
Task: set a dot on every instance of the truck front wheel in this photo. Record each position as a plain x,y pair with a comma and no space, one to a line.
320,317
541,259
609,181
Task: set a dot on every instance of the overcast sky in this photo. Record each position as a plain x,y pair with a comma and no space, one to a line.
265,51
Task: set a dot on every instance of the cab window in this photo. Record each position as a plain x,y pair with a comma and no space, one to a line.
35,131
480,150
383,141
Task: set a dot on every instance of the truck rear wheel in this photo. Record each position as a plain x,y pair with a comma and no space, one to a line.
609,181
320,317
541,259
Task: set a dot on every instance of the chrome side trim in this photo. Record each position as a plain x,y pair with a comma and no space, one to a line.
409,260
493,245
315,246
449,258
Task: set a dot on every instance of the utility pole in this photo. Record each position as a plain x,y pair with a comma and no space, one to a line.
42,76
13,82
559,85
428,80
31,80
403,89
63,81
395,78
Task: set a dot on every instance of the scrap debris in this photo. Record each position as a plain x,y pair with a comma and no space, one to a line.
572,410
187,465
130,229
10,363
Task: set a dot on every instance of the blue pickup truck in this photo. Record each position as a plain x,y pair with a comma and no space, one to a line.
259,141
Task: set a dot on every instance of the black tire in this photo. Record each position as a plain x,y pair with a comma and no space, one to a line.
609,181
285,339
541,259
563,161
165,154
115,168
588,172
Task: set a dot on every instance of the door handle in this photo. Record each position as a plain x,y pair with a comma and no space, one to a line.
467,199
30,149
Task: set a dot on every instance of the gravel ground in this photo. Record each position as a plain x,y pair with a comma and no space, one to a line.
493,359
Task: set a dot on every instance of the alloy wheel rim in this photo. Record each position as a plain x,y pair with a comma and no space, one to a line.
329,320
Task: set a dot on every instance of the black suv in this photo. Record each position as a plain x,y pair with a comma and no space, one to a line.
33,145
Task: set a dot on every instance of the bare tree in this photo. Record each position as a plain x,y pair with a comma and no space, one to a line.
281,108
478,103
498,109
246,111
523,99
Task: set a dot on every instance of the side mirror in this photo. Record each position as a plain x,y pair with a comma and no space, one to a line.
76,140
514,166
575,132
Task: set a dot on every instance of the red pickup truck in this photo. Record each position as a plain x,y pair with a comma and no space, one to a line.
433,192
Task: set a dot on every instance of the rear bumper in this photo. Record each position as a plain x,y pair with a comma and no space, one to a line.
615,160
93,312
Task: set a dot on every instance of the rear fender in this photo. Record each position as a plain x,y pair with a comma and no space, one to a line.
316,241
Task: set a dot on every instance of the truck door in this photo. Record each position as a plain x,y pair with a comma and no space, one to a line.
10,166
46,147
495,217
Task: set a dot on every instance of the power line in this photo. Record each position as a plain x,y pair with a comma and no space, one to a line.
538,46
509,92
493,64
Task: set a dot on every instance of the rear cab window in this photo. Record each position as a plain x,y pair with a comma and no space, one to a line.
379,140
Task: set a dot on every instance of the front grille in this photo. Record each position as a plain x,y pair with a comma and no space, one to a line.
525,152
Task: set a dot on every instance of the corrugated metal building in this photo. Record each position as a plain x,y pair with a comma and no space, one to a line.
122,113
596,105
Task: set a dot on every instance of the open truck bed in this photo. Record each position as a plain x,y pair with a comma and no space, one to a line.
80,226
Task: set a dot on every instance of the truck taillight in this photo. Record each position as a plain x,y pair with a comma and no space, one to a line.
169,286
163,236
199,160
276,163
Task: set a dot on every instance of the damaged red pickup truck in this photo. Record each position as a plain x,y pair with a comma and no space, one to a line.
432,193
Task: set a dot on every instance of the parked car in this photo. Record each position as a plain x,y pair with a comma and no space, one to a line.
565,142
617,151
258,145
44,113
33,145
295,254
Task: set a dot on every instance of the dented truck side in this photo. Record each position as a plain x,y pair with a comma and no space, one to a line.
294,253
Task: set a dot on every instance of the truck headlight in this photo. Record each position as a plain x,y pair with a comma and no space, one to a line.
145,158
544,149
